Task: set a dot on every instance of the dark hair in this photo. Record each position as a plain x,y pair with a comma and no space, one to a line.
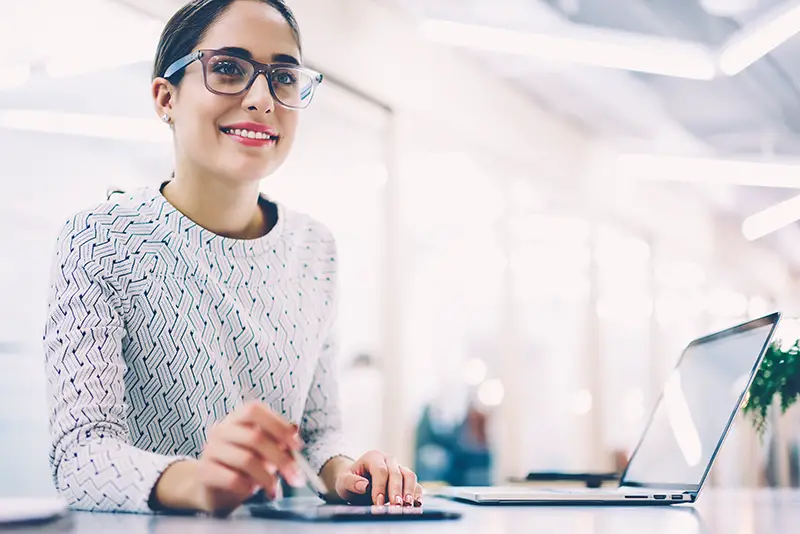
190,24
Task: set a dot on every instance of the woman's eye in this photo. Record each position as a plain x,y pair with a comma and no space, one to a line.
284,78
227,68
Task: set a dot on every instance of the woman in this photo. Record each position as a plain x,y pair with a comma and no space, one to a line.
189,343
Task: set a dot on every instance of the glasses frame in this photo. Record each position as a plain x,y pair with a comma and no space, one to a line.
205,55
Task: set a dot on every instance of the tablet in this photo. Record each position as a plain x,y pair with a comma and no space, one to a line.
19,511
345,513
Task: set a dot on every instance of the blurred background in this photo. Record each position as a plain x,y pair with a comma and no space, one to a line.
538,203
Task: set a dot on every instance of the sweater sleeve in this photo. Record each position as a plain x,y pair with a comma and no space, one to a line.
321,428
322,418
94,465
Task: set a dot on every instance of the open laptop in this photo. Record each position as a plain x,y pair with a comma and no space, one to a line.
686,429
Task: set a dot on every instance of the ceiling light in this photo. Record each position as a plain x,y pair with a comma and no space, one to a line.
771,219
709,170
582,45
760,38
728,8
100,126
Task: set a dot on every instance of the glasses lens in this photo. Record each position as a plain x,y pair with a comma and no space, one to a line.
228,74
293,87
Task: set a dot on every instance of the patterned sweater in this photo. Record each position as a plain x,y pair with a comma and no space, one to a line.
157,329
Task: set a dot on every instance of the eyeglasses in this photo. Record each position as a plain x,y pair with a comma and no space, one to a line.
292,86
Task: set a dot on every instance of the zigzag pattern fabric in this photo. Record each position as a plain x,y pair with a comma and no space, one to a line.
157,329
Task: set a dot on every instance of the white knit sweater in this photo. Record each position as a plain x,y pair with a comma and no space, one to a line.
157,329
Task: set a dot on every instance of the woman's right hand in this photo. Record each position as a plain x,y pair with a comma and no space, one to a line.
245,451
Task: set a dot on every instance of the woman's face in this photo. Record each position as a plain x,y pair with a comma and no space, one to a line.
199,116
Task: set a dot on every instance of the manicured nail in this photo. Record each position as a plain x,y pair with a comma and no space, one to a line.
379,500
398,500
410,500
418,503
296,479
361,486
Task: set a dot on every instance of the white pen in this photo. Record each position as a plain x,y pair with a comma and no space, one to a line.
314,482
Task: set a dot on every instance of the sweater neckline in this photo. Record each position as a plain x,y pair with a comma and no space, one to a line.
203,239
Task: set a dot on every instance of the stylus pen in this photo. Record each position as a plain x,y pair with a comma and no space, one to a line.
314,482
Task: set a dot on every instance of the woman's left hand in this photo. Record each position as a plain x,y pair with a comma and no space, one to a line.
377,478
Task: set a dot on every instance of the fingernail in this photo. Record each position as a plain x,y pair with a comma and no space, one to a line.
418,502
410,500
361,486
379,500
296,479
398,500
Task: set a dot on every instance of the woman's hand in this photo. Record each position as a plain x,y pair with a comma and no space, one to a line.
245,451
377,478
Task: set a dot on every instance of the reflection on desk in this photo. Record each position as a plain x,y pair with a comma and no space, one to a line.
716,512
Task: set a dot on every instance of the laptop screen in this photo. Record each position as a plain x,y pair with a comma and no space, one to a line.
697,406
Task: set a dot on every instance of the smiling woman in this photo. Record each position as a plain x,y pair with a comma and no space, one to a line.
190,338
219,62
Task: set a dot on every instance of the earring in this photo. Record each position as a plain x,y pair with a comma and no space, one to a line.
165,118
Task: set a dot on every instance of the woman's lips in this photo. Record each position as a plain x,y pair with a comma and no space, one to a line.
250,137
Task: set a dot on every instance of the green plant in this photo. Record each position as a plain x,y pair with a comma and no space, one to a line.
778,376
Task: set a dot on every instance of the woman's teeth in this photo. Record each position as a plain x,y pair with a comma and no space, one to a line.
248,133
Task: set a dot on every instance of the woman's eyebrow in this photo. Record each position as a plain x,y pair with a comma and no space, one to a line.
236,51
245,53
285,58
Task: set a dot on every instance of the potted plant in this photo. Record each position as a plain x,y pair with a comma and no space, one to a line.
778,377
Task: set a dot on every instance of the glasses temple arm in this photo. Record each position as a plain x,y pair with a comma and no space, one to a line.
181,63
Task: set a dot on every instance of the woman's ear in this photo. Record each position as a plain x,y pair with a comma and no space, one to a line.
162,91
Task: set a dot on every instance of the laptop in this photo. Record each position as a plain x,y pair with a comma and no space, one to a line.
684,434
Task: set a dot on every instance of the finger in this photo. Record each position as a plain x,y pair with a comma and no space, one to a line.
230,481
394,488
418,493
272,424
273,457
240,460
379,473
276,458
268,421
355,484
409,486
274,492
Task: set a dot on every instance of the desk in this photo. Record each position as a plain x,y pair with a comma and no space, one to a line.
716,512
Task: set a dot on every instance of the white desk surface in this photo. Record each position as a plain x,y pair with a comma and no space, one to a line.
716,512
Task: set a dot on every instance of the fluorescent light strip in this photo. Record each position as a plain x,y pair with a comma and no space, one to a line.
99,126
771,219
582,45
713,171
760,38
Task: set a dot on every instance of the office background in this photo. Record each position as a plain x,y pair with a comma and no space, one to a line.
530,237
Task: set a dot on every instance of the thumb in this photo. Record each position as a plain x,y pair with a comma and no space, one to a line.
354,484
